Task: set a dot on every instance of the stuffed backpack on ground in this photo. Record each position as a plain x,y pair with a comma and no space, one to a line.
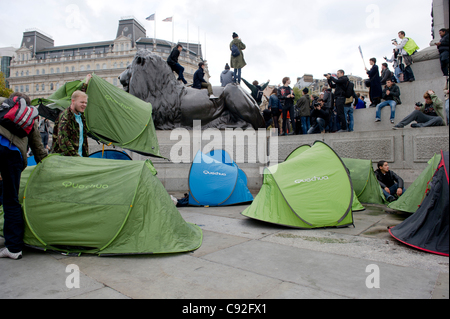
17,117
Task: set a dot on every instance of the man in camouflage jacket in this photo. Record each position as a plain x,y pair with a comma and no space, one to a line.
66,132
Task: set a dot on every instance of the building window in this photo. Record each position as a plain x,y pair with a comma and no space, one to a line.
21,73
57,70
17,73
115,81
16,89
121,65
115,65
73,69
88,67
21,88
27,88
82,68
37,87
51,71
97,67
28,73
67,69
51,86
43,71
37,72
104,66
43,87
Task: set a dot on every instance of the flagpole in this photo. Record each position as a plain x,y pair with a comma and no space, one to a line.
154,36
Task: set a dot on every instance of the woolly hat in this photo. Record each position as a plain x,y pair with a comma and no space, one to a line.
235,35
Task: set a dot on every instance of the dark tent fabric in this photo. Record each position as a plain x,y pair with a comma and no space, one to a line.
111,154
427,228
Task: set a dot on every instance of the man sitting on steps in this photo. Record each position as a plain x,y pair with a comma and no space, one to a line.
430,114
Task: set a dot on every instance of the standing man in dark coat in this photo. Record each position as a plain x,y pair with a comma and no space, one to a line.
172,61
340,85
443,47
375,91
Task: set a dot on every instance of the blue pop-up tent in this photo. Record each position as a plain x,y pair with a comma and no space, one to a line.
111,154
216,180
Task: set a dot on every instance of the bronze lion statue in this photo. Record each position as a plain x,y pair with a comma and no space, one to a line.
150,78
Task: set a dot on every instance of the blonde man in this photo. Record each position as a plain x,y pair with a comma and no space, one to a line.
69,133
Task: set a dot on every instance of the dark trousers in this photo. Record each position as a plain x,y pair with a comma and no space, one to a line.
291,111
444,58
180,71
340,103
11,165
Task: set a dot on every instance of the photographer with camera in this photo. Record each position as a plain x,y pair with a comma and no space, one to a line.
340,85
430,114
407,48
320,117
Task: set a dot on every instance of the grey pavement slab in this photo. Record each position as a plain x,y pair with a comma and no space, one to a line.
330,273
242,258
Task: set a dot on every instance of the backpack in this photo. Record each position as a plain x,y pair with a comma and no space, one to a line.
259,94
349,90
17,117
411,46
235,50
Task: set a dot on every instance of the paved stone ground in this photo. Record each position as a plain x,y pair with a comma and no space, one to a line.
241,258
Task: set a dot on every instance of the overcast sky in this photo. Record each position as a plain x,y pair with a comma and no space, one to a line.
283,38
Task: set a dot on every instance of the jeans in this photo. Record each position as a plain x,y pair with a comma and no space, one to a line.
446,109
305,123
422,120
393,190
348,111
392,103
319,127
291,111
397,73
11,165
237,75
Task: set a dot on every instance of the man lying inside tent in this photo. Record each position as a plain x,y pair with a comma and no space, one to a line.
69,132
391,184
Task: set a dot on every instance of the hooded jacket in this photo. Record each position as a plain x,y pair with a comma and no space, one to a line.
226,77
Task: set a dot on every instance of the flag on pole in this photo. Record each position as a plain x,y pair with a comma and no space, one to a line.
362,57
168,19
151,17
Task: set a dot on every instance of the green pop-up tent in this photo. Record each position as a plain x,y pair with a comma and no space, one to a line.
365,183
311,189
409,202
103,207
113,116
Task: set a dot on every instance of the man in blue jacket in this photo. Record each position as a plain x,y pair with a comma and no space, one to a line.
199,81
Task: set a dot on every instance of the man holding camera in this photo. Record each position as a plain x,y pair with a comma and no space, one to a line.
320,116
340,85
408,74
430,114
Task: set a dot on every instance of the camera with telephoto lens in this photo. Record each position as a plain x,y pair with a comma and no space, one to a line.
419,104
